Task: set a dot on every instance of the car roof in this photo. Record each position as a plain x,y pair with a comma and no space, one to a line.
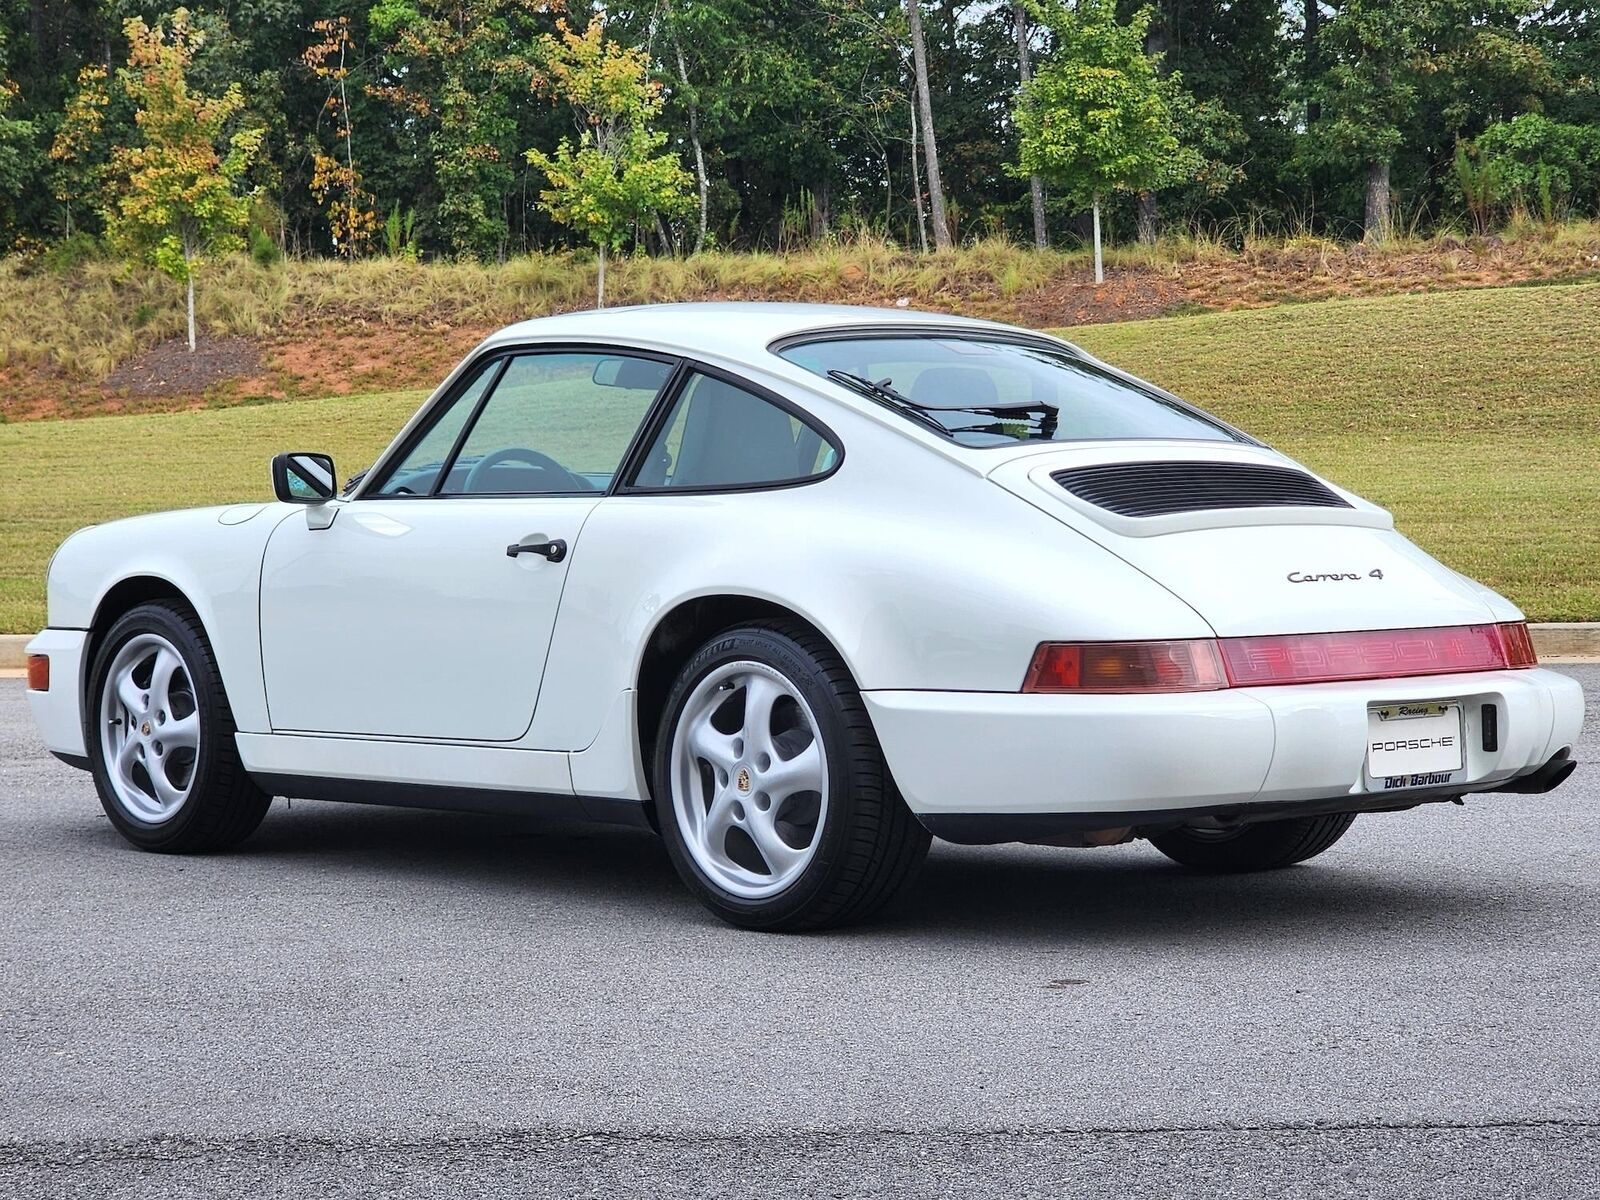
737,330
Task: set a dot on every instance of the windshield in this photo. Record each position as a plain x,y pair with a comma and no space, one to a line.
990,392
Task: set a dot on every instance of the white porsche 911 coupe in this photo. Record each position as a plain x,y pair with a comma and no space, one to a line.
798,587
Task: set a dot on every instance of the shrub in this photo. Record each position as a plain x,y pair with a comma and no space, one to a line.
1545,164
263,248
1480,180
72,252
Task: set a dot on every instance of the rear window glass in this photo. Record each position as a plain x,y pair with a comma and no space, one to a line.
988,392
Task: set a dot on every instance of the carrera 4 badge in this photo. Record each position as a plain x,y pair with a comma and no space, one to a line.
1332,576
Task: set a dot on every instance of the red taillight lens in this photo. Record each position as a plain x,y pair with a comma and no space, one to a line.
38,672
1186,666
1518,644
1370,654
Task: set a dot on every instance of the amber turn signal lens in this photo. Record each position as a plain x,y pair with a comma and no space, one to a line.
1518,643
1181,666
38,672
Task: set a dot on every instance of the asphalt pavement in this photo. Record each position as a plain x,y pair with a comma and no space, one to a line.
376,1002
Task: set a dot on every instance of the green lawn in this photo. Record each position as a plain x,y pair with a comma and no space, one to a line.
1474,415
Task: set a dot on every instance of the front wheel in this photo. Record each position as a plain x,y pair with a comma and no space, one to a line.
160,737
1258,847
777,808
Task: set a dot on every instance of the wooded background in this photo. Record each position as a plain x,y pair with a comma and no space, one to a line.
797,117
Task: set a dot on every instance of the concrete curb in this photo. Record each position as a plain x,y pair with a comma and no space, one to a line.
11,656
1557,642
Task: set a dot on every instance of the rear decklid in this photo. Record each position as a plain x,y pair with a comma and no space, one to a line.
1251,540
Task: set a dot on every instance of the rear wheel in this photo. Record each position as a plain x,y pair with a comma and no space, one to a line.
770,788
1259,847
160,737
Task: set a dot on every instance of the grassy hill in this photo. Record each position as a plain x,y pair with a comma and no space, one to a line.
1473,415
96,336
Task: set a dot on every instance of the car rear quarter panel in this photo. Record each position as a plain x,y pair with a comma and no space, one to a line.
922,574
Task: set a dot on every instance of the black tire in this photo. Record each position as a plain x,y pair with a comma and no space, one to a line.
1260,847
869,846
224,806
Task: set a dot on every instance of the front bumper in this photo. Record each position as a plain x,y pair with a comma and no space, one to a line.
1120,757
58,712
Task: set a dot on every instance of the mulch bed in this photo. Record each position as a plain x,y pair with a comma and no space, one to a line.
172,369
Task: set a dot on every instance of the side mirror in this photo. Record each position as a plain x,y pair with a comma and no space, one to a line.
302,478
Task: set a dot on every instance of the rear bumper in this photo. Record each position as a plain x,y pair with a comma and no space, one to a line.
58,712
1105,760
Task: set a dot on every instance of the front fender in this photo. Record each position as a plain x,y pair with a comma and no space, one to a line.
212,556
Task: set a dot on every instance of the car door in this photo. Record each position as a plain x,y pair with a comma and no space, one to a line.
425,609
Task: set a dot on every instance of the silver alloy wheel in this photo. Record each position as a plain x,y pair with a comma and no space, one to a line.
749,779
149,728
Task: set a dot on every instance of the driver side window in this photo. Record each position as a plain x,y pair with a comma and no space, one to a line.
558,422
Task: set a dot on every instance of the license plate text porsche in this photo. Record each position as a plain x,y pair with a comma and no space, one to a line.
1414,744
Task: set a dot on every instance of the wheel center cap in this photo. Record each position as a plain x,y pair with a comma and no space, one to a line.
742,779
145,729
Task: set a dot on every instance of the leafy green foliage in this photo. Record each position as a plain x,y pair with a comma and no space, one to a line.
19,151
1097,117
176,197
1482,186
399,234
796,113
614,176
1537,157
456,67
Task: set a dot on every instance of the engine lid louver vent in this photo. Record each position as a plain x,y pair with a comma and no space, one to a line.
1154,489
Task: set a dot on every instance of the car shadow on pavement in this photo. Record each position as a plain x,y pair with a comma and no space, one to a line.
1009,893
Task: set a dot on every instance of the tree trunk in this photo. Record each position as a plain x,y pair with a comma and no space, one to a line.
1158,39
819,212
1377,214
669,240
600,280
1312,64
699,155
1019,19
916,182
1149,219
930,144
1099,267
189,241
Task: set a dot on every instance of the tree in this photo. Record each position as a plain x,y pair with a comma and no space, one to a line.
1019,17
453,68
614,176
930,143
1097,117
19,157
174,198
1386,61
352,215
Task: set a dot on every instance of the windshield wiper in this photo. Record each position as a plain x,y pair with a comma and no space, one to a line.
882,391
884,394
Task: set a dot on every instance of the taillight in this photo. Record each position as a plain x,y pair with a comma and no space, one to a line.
1367,654
1518,644
1203,665
1184,666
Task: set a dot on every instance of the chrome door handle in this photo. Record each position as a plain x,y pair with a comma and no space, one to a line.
554,550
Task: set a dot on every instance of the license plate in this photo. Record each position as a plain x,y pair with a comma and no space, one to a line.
1414,745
